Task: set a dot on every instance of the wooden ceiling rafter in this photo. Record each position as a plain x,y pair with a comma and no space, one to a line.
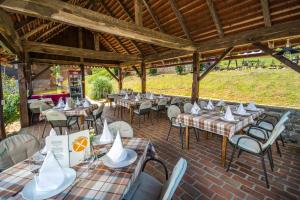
215,17
108,43
154,17
266,12
180,19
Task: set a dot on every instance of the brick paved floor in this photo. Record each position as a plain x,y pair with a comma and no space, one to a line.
205,177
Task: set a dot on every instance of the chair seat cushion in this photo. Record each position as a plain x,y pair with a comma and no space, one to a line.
261,134
72,121
145,187
247,144
154,108
136,111
266,126
89,118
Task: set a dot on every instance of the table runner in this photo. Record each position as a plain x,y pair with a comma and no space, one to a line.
99,183
211,121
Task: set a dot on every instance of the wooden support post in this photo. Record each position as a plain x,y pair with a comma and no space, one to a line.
2,128
28,74
143,79
196,70
120,77
24,115
82,80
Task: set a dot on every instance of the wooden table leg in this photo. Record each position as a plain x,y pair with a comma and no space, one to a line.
131,114
187,137
224,147
81,121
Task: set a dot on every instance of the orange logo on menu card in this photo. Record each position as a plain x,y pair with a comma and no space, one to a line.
80,144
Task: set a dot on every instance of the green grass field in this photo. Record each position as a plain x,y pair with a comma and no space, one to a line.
264,86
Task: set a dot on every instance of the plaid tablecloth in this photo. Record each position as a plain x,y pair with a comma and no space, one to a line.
128,103
211,121
98,183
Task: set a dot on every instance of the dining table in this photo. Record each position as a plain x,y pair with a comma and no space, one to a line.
211,121
131,103
93,181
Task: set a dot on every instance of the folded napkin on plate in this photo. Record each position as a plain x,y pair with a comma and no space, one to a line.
151,96
51,175
106,136
70,102
161,96
210,105
78,103
251,106
52,133
195,109
228,115
241,110
117,153
137,98
221,103
86,104
126,96
61,103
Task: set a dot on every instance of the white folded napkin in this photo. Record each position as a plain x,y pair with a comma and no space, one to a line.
151,96
86,104
228,115
210,105
78,102
137,98
51,133
241,110
195,109
51,175
221,103
161,96
67,107
251,106
61,103
106,136
117,153
126,96
138,95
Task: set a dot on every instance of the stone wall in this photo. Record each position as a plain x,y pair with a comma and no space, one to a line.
292,132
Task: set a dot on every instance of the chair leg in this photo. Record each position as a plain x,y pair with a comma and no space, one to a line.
31,119
181,137
265,170
44,128
151,117
60,130
231,159
140,121
169,132
270,160
278,149
281,138
196,134
96,129
240,152
78,124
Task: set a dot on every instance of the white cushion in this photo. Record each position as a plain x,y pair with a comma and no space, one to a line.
266,125
261,134
246,143
145,187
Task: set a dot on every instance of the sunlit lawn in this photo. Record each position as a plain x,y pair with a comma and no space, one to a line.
264,86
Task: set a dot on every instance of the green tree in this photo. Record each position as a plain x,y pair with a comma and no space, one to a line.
101,86
11,98
179,69
152,71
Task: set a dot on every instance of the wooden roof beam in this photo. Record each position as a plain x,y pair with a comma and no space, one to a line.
112,74
215,17
266,12
138,12
137,71
180,18
8,35
49,31
45,48
125,10
280,58
69,62
227,51
154,17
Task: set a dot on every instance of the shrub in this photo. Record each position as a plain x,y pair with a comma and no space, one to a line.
101,86
152,71
12,100
179,69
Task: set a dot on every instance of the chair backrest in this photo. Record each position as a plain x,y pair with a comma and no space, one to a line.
203,104
145,105
17,148
173,111
162,102
279,128
286,114
98,111
123,127
170,186
187,107
175,100
54,115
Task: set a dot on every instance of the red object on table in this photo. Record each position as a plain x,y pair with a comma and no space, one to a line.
55,97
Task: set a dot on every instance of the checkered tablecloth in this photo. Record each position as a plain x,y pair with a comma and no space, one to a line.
128,103
98,183
211,121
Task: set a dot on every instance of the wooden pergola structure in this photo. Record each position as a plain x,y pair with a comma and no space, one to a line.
140,34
